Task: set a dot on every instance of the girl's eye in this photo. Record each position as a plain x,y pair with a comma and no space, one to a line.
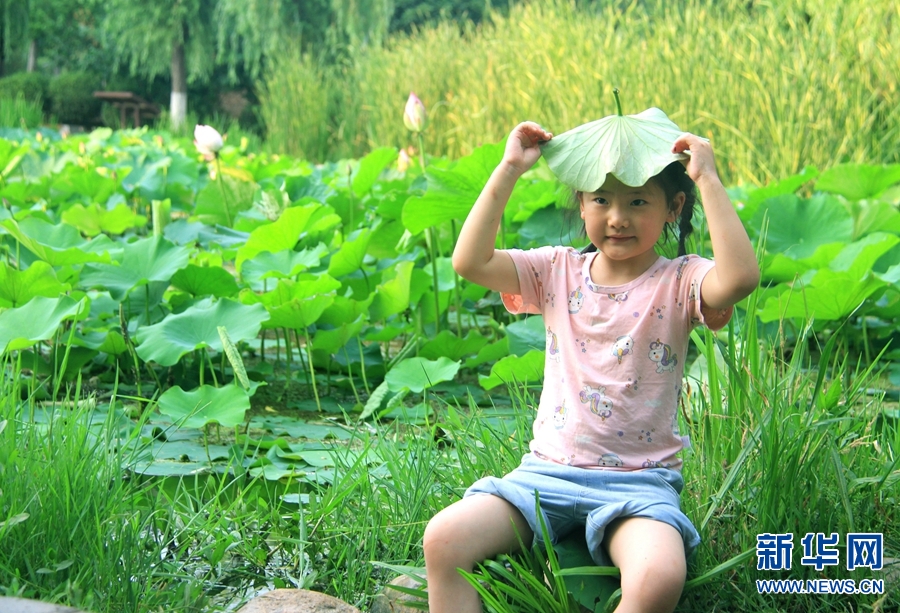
638,202
600,201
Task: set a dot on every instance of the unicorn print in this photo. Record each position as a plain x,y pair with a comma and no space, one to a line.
663,356
610,459
622,347
595,398
552,345
560,414
576,300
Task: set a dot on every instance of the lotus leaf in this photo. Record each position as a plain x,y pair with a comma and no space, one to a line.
633,148
797,227
94,219
59,244
19,286
418,374
197,327
141,262
293,225
447,344
349,258
221,200
205,281
37,320
392,295
206,404
858,181
281,265
515,369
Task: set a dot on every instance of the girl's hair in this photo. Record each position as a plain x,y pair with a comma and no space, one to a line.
671,180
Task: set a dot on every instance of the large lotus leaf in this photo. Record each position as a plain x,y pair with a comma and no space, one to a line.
344,310
296,304
370,167
874,216
19,286
515,370
418,374
451,192
332,340
60,244
294,224
143,261
349,258
797,227
298,314
221,200
447,344
206,404
832,296
281,265
197,327
84,185
95,219
37,320
633,148
392,295
205,281
750,203
858,181
858,258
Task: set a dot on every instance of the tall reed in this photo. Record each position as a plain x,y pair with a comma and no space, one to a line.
777,85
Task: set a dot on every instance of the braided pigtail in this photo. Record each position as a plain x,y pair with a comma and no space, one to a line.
685,225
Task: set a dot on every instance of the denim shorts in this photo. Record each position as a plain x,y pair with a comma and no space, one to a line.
572,497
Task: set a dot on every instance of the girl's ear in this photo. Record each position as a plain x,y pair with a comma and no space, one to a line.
579,196
676,206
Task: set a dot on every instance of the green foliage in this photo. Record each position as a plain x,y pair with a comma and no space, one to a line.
556,62
32,86
72,98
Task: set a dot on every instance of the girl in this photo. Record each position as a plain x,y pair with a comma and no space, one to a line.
617,318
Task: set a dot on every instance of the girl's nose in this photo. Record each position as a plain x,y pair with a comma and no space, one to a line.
618,218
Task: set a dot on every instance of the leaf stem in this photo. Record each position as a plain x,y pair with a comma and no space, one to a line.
224,195
618,103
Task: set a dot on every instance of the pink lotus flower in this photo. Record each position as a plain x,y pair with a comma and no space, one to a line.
414,116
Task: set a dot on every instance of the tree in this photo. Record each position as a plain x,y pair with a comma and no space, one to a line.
190,37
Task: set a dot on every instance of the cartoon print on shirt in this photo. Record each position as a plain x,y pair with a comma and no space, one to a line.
551,299
576,300
595,398
632,384
659,311
591,285
622,347
663,355
560,414
655,464
552,345
694,294
610,459
620,297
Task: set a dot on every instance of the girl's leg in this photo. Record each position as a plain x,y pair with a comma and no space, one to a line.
466,533
650,555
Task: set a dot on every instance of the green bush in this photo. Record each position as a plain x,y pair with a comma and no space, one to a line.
31,86
72,98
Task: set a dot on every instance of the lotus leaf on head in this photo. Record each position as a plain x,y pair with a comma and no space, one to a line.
633,148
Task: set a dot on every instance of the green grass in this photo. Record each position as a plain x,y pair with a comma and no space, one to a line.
20,113
777,86
787,437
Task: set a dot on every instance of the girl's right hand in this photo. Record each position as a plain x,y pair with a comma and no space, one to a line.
523,146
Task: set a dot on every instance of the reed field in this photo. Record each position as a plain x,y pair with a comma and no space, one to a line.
776,85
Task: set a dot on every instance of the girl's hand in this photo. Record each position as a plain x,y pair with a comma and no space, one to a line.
523,146
701,164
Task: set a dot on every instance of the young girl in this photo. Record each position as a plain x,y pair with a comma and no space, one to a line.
617,317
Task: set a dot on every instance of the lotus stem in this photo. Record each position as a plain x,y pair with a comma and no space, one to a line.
224,195
312,372
618,103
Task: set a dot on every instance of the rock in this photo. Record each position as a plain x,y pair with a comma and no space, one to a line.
22,605
295,601
394,601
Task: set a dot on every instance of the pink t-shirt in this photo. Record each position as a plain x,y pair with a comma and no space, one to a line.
615,357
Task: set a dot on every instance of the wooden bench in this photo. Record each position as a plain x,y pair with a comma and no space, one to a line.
129,102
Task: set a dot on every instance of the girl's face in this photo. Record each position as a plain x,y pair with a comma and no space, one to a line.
626,222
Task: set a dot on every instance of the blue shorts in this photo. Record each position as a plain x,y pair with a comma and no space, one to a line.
572,497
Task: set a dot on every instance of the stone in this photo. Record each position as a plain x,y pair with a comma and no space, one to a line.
394,601
23,605
296,601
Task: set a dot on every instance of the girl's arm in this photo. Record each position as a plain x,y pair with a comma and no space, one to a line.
736,273
475,256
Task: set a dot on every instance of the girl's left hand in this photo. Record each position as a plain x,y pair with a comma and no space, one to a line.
701,163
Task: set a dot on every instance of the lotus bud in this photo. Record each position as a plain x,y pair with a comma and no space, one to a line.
403,161
207,140
414,116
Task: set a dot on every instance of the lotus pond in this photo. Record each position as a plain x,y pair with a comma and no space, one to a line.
264,372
